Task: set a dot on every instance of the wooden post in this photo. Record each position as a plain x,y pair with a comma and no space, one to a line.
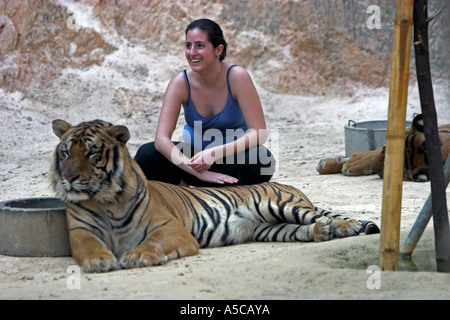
395,136
433,144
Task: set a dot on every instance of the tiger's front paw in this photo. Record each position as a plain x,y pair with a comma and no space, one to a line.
330,165
102,261
139,258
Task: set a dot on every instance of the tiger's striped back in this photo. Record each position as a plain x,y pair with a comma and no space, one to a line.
238,214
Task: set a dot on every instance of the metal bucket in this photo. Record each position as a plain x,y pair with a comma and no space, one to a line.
365,136
34,227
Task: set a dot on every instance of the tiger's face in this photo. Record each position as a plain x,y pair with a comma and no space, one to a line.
416,160
88,163
416,166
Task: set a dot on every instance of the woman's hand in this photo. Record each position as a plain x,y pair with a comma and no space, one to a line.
216,177
202,161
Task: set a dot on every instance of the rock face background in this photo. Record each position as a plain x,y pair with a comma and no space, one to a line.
295,47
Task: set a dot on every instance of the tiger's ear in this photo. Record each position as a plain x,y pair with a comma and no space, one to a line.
120,133
418,123
60,127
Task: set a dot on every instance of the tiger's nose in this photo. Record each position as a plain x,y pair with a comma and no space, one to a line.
71,178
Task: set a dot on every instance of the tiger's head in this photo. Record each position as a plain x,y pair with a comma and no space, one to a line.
89,162
416,160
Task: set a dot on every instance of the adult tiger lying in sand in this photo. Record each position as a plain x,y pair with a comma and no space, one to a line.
118,219
370,162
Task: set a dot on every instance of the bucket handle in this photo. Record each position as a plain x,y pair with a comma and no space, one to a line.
351,123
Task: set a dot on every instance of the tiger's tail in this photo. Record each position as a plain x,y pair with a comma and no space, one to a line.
368,227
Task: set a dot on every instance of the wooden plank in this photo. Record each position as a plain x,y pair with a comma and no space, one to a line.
422,220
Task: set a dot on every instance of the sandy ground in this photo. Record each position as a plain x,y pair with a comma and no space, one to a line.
302,131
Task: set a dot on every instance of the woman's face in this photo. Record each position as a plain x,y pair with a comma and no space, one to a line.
200,52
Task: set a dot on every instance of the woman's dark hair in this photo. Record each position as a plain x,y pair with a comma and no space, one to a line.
215,34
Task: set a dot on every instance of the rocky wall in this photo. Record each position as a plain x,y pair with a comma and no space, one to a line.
296,47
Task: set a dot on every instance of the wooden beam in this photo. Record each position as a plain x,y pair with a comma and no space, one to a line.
395,136
432,141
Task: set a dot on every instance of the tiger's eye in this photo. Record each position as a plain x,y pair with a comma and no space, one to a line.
64,153
93,151
92,154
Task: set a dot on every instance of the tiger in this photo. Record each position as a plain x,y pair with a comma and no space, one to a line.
370,162
119,220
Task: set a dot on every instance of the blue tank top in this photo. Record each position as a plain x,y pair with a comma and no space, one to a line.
206,132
